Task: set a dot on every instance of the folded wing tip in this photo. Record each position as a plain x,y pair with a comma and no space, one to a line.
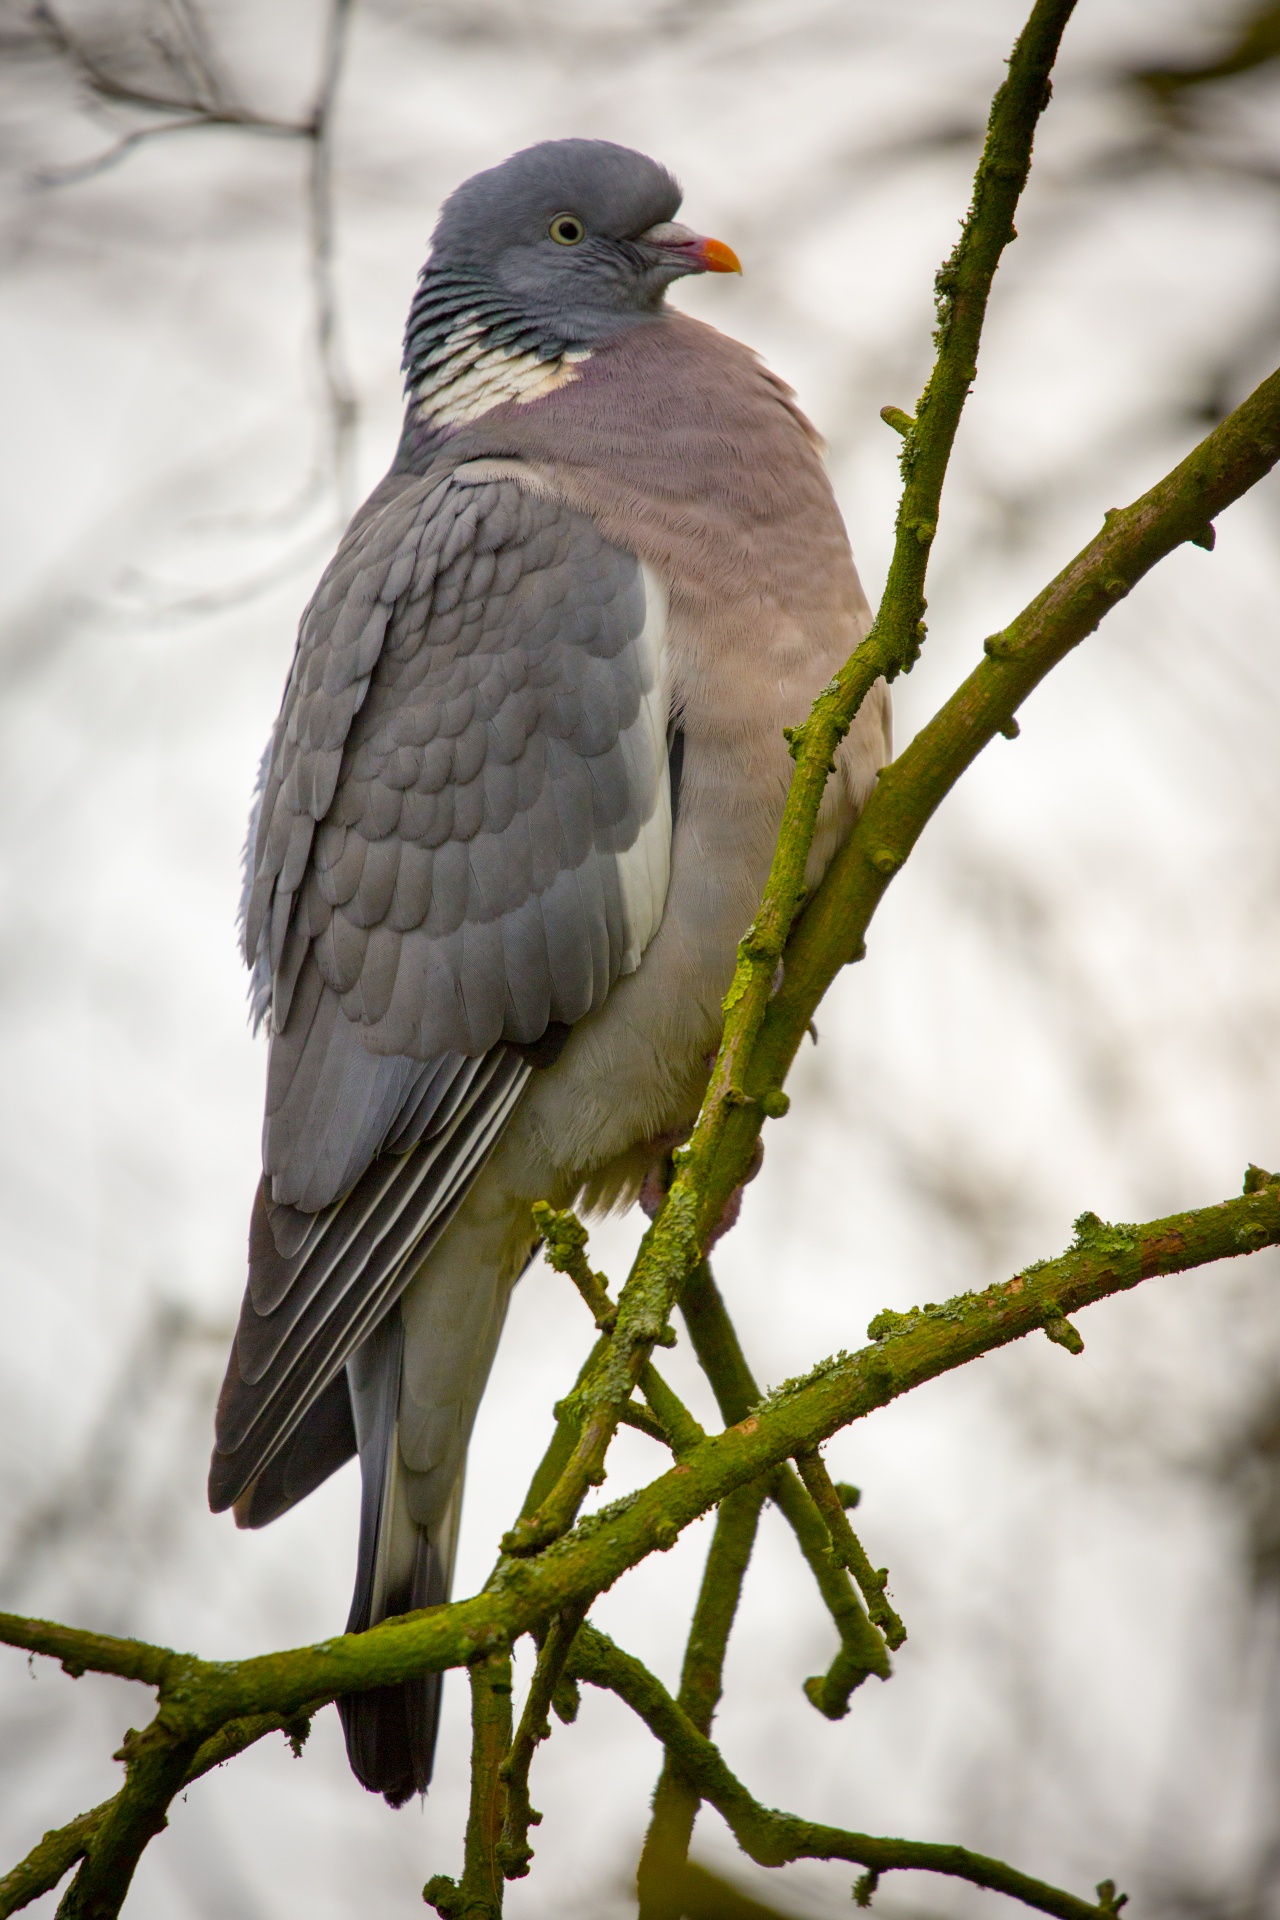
224,1487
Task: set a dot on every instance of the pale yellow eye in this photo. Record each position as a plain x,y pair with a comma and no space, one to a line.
567,229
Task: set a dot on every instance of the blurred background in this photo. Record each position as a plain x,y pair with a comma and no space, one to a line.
211,217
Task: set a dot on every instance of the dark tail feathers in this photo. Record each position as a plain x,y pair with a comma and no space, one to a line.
391,1731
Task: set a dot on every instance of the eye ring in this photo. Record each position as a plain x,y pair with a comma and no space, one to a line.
567,229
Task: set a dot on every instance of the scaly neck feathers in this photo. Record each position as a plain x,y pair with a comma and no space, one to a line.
468,349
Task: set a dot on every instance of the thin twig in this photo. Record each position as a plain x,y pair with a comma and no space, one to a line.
202,99
203,102
514,1851
861,1652
638,1416
675,1800
340,394
849,1549
771,1838
564,1248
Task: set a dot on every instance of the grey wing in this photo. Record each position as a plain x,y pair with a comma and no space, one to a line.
463,839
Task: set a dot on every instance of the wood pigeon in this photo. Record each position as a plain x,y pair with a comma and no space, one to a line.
516,812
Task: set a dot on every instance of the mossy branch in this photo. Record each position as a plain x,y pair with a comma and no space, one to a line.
79,1652
199,1699
1230,460
514,1851
478,1895
772,1839
849,1550
675,1242
675,1800
907,1349
861,1652
62,1847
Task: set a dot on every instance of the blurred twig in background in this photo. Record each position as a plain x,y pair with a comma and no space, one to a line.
193,93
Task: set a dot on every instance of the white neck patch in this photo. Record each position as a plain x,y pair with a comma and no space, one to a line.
470,377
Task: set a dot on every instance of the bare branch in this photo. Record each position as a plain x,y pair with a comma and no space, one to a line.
198,1697
60,1849
771,1838
849,1549
675,1800
862,1651
675,1242
81,1652
514,1851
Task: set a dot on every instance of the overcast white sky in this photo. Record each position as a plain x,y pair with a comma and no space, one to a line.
1071,997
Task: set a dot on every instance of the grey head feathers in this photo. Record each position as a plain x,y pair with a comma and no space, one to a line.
500,284
533,264
498,225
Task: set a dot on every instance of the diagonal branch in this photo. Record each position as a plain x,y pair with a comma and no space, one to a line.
849,1550
49,1860
1179,509
861,1652
675,1800
674,1243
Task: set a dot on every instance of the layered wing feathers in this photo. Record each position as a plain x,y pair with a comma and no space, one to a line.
490,848
463,838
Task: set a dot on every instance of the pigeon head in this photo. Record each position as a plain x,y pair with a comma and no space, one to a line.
575,232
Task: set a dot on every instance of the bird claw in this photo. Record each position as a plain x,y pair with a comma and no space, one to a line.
653,1189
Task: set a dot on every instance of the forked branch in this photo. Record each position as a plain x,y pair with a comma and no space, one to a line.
771,1838
197,1698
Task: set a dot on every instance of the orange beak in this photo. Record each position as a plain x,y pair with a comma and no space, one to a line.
695,253
718,258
